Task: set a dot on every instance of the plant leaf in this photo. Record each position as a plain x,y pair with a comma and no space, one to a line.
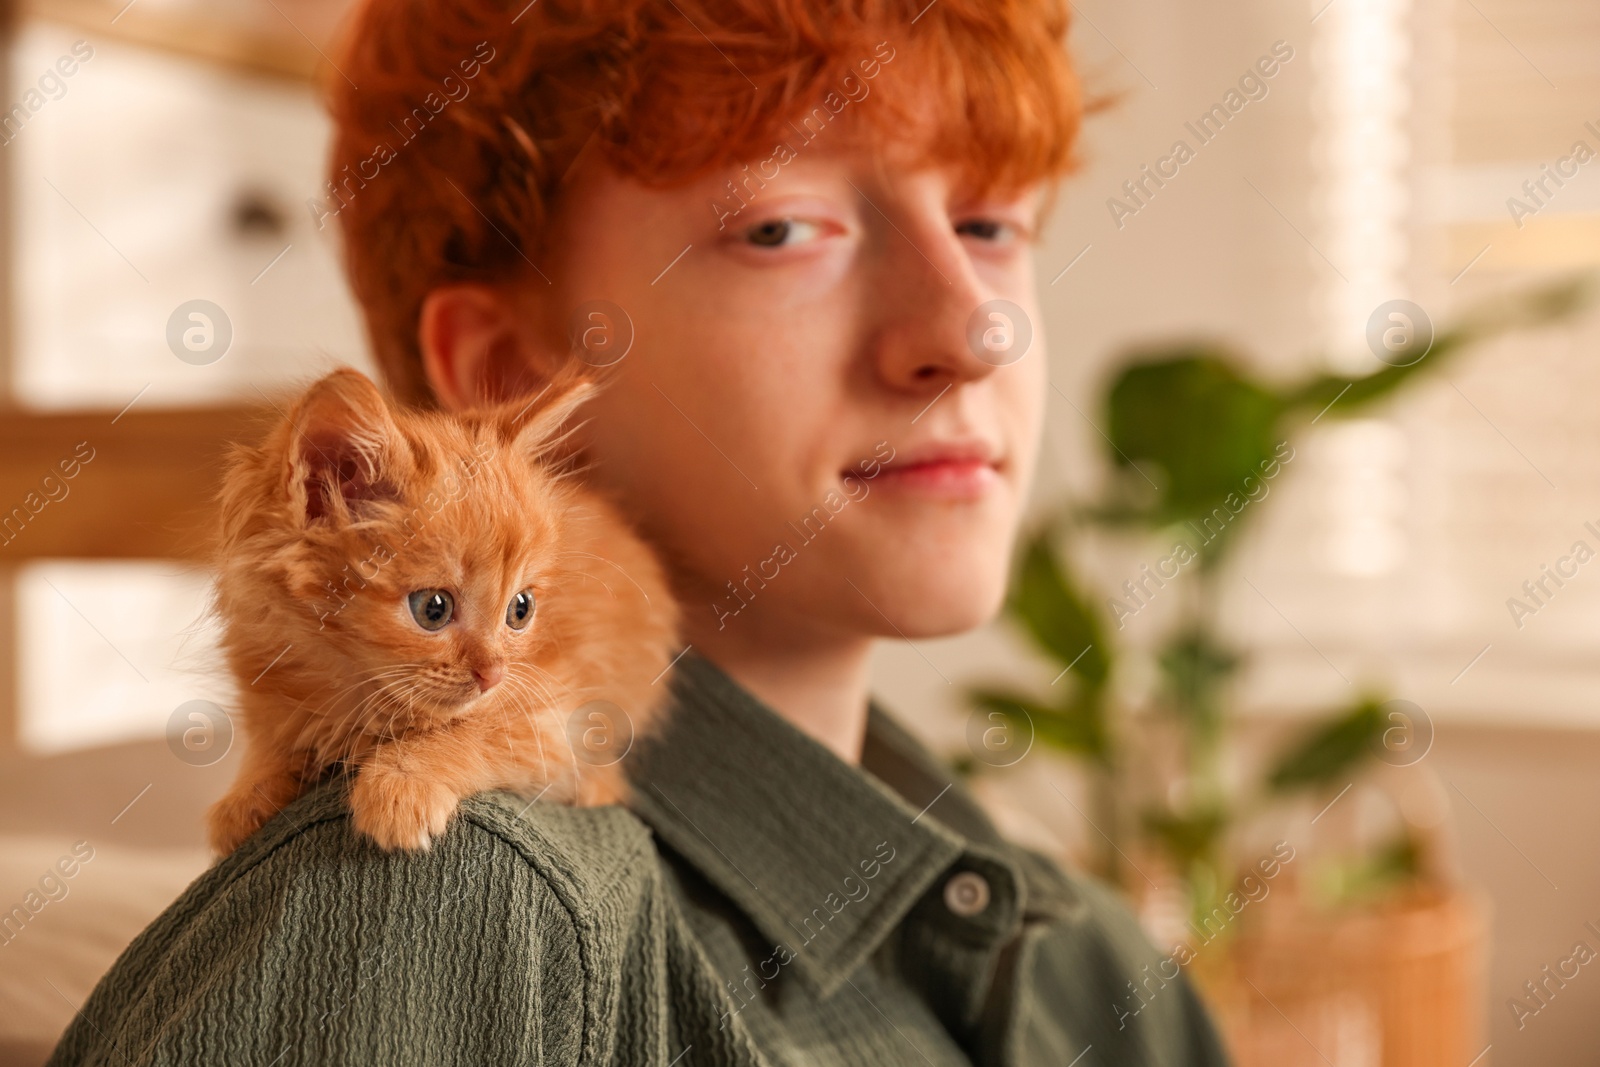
1203,426
1397,863
1195,667
1057,615
1537,307
1078,727
1330,749
1187,838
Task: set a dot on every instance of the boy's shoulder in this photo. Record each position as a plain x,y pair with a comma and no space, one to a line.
578,854
516,903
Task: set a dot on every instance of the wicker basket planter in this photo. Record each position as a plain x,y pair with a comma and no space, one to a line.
1398,985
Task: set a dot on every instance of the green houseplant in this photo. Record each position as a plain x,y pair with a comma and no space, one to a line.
1186,430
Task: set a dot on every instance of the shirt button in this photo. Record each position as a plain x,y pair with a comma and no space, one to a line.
967,894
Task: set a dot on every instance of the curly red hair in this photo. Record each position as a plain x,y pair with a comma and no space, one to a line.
457,120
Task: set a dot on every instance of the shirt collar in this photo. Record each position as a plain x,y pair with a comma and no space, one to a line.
916,774
824,858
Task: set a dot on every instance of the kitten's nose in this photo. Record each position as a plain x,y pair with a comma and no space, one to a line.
490,676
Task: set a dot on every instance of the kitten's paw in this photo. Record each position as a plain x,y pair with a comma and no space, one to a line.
399,810
235,817
599,786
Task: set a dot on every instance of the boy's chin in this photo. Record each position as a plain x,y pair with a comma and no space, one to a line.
947,620
936,609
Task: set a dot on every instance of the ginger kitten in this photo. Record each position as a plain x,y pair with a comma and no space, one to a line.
428,600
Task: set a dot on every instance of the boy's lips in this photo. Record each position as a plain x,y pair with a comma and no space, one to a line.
963,469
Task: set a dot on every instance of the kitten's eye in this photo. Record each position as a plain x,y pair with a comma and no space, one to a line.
432,608
520,610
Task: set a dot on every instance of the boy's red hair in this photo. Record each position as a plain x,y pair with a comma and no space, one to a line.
456,120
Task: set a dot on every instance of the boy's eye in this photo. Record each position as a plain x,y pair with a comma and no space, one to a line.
776,233
984,229
432,608
520,610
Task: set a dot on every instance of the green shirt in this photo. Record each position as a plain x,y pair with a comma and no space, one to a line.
763,903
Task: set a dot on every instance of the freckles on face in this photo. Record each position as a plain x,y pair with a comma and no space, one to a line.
807,414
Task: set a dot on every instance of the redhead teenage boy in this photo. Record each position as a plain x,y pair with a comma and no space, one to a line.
774,223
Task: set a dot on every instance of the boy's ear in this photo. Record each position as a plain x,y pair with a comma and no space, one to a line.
345,450
477,347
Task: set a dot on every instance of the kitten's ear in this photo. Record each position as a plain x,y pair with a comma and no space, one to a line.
345,449
538,427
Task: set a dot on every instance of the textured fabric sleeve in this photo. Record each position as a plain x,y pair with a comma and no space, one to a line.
317,948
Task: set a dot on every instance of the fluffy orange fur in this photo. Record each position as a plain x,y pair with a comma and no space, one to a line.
350,506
